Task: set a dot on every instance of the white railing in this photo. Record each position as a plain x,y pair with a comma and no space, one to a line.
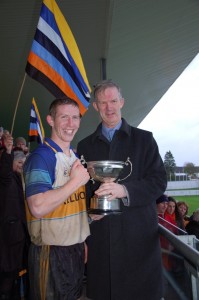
184,244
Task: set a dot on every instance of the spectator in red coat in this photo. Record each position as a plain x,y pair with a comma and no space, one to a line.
173,216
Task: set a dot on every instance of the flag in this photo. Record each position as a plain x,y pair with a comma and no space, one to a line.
55,60
36,131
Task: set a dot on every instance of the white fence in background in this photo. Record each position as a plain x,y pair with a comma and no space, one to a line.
183,188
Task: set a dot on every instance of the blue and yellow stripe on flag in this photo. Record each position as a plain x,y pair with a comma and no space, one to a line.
55,60
36,131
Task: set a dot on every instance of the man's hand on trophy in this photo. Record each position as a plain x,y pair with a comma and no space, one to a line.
113,189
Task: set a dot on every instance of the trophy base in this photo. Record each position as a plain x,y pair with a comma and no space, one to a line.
102,206
103,212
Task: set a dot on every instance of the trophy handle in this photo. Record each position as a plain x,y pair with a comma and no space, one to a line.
128,162
83,162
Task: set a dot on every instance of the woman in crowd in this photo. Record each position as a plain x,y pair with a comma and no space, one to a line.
173,216
183,210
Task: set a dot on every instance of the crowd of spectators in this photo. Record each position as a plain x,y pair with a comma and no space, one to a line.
174,215
19,143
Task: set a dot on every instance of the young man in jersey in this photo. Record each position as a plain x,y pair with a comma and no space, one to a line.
56,214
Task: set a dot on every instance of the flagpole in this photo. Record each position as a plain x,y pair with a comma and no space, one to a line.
19,96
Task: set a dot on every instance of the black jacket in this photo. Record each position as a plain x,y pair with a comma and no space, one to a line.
193,228
14,238
124,259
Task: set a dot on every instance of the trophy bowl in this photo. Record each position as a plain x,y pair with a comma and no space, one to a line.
104,171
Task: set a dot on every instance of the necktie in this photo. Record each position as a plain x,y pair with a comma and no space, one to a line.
111,134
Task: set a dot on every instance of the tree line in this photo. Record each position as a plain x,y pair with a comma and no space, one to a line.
170,166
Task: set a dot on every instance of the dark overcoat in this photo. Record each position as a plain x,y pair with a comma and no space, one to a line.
124,258
193,228
14,238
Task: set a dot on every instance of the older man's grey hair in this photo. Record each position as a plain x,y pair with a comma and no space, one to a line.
103,85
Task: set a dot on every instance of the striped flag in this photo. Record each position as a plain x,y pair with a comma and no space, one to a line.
55,60
36,131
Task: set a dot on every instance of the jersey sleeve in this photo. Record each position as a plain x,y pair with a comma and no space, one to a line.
37,175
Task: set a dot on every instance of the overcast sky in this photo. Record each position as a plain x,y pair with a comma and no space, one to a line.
174,121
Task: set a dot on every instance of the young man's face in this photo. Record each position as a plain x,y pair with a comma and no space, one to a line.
65,123
109,104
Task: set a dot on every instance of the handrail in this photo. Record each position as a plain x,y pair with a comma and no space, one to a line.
187,251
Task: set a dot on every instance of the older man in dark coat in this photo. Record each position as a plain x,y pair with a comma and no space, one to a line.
124,259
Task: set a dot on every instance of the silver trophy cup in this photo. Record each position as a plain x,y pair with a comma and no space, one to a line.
105,171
